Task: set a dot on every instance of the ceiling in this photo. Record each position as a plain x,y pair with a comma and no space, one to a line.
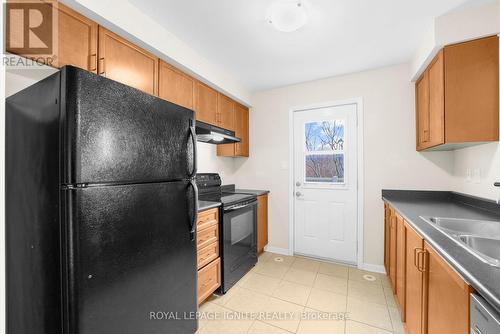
341,36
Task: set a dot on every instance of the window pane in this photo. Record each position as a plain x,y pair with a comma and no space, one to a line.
327,168
324,136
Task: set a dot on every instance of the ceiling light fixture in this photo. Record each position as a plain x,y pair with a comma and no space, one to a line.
287,15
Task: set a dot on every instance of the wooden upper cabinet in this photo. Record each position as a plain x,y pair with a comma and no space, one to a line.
123,61
414,282
447,304
77,40
457,97
471,91
241,116
241,129
225,112
429,91
422,110
175,86
206,103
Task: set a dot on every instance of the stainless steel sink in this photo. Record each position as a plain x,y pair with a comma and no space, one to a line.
480,237
486,246
467,226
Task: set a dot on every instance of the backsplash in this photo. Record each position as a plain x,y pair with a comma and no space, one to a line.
477,169
209,162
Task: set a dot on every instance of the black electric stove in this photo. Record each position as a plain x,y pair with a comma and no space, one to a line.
237,227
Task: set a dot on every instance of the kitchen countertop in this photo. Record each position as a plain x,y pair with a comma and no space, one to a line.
484,278
252,191
205,205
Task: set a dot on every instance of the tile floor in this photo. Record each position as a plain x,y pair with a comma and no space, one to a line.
287,294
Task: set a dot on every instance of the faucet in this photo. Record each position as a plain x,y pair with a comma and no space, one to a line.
497,184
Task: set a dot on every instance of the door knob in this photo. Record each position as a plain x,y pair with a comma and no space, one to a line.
298,194
298,184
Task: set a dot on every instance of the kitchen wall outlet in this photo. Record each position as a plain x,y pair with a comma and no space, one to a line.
468,175
476,175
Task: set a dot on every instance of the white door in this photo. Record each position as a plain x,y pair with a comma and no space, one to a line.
325,176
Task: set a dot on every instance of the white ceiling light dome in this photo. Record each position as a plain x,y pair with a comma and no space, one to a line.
287,15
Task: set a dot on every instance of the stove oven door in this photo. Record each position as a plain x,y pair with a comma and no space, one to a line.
239,240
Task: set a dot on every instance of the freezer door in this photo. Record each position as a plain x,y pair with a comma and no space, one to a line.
114,133
130,262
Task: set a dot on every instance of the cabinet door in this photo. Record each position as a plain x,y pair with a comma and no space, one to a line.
401,265
77,40
206,104
261,223
122,61
241,129
436,101
414,282
471,91
175,86
393,252
422,111
447,297
225,112
387,237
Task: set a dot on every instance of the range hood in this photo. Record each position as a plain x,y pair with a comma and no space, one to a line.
211,134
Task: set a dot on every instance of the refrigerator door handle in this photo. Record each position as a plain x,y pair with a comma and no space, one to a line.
193,138
194,215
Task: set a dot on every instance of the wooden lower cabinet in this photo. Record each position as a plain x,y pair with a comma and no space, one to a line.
262,216
401,265
209,279
447,297
414,283
387,236
432,297
208,260
393,251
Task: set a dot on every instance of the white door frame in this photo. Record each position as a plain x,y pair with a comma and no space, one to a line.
359,152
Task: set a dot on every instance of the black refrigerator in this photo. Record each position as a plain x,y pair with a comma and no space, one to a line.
101,207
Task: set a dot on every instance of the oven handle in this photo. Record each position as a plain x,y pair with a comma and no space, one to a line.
238,207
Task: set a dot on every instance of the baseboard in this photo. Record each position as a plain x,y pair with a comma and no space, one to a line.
277,250
376,268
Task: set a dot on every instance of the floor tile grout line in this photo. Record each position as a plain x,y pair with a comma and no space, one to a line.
370,325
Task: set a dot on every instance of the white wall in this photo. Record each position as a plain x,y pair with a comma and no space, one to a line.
475,20
390,159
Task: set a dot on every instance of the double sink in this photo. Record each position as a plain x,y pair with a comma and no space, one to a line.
479,237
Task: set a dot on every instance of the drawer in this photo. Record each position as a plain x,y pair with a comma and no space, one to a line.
207,254
207,218
207,236
209,280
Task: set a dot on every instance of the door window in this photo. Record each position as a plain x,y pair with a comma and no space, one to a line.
324,155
